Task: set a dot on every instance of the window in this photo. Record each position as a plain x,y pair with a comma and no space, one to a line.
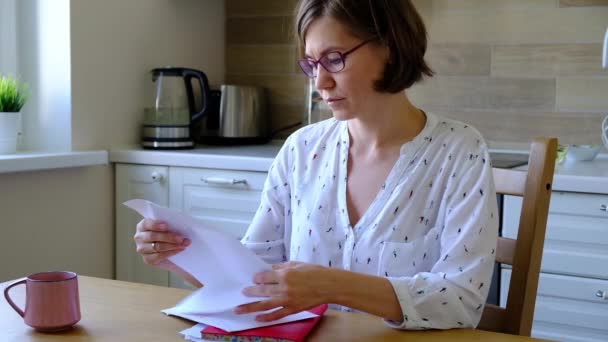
8,37
35,47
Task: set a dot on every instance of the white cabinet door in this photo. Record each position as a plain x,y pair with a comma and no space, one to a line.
224,199
573,270
145,182
576,241
567,308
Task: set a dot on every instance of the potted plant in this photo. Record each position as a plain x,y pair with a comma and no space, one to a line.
13,95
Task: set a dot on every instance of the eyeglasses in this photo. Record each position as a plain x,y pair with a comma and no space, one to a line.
333,61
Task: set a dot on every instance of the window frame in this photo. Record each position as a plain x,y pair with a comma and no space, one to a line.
8,37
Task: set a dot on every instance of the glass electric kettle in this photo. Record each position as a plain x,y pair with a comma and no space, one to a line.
169,119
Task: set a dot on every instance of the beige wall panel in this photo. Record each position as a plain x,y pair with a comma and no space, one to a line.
250,8
455,59
547,60
570,128
261,59
284,115
582,94
262,30
575,3
429,8
532,26
489,5
485,93
57,220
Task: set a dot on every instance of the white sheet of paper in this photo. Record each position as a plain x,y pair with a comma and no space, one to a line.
217,260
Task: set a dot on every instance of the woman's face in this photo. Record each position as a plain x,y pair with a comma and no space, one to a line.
349,92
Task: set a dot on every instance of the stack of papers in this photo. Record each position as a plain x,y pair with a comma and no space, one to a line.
221,263
194,333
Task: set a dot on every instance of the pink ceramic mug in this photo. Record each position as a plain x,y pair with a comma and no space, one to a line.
52,302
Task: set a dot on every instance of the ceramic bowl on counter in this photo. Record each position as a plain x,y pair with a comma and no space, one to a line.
582,152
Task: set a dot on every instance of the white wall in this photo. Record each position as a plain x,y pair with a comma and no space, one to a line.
56,220
64,219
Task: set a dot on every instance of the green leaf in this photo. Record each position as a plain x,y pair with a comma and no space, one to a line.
13,94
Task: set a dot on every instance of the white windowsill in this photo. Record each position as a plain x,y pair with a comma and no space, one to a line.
34,161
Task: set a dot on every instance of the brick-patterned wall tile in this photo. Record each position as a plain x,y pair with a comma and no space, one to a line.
263,30
485,93
459,59
551,60
266,8
582,94
582,3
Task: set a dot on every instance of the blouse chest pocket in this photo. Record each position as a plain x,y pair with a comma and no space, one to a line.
405,259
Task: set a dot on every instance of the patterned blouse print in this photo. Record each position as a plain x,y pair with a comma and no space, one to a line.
431,229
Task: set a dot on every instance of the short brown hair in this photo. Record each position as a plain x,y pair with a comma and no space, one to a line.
394,23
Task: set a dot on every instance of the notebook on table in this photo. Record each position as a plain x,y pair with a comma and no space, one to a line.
286,332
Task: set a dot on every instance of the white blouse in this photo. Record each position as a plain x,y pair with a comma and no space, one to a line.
431,229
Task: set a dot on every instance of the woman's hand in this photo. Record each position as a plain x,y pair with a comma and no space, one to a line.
155,243
294,286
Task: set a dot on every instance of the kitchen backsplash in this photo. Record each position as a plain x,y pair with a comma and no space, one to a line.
515,69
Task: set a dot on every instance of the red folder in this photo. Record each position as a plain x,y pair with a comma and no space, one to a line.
286,332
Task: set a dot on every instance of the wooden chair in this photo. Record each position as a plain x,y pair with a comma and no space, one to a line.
525,253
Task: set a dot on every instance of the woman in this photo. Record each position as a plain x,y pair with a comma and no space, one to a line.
384,208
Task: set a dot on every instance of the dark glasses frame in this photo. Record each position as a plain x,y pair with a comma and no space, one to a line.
309,65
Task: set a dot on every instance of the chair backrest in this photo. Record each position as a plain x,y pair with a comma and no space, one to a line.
525,253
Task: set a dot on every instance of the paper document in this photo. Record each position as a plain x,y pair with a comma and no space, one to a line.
217,260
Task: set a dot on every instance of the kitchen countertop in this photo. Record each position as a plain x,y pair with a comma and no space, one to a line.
589,177
246,158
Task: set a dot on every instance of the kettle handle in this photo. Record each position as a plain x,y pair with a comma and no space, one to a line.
189,74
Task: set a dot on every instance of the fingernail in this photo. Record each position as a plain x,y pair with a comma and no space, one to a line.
238,310
186,242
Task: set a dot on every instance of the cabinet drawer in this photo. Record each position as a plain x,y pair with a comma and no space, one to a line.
224,199
576,241
578,204
567,301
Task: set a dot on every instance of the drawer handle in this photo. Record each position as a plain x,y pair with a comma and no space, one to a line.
603,207
224,181
157,177
602,294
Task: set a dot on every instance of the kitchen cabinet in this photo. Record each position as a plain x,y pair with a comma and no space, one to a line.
225,199
137,181
572,301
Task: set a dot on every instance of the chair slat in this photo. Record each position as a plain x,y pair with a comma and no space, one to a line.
505,250
509,182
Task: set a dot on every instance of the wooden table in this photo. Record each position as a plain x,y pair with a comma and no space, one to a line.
121,311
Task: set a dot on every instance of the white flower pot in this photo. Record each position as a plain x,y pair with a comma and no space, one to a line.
9,131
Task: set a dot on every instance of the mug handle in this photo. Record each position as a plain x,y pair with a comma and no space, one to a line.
8,298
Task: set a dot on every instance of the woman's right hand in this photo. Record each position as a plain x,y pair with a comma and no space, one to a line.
155,243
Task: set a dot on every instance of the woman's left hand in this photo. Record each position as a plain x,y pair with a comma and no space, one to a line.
294,286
